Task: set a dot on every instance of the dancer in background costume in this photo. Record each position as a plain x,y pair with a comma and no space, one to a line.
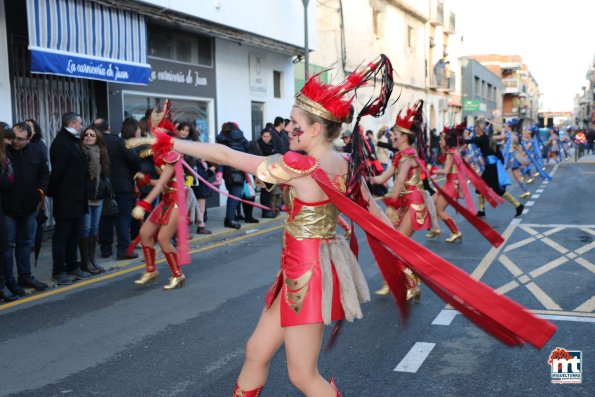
406,206
450,140
170,214
515,158
494,173
457,170
320,281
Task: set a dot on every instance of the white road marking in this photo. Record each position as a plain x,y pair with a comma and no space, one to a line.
535,196
514,269
586,264
415,358
550,225
588,306
445,317
568,318
529,203
542,297
539,191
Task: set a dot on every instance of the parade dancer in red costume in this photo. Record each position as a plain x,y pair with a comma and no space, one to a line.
320,281
450,140
162,223
406,207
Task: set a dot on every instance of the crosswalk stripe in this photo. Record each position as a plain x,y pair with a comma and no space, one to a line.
415,358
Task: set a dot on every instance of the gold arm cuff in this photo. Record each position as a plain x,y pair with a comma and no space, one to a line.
307,104
271,171
136,142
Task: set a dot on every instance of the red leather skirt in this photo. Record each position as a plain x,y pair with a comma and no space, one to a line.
300,284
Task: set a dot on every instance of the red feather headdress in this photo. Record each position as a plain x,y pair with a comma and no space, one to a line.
332,102
161,119
411,115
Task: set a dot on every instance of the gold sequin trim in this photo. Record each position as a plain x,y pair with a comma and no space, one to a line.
296,290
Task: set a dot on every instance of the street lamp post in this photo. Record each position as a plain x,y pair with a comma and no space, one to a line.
306,57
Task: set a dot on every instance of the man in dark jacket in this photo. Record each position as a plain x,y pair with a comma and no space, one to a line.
124,163
67,189
31,175
233,137
279,136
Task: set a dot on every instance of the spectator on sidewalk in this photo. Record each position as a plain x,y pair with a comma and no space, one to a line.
37,136
232,137
265,147
435,146
98,188
201,191
124,163
146,167
5,293
591,141
347,144
280,137
29,164
67,189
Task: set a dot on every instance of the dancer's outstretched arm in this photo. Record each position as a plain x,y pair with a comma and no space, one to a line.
220,154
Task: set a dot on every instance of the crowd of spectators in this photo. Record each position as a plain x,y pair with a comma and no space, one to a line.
85,170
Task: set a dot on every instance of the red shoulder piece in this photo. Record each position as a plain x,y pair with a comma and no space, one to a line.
299,163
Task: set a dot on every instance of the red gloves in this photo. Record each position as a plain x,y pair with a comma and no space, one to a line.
142,179
394,202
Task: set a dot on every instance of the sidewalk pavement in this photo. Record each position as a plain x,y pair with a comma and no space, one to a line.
215,217
589,159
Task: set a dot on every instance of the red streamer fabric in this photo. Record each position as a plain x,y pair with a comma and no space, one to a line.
498,315
479,183
183,237
486,230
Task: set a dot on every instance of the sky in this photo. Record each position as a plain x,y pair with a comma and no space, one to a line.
555,39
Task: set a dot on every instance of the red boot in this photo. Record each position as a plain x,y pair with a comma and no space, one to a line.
250,393
335,386
454,230
151,272
177,280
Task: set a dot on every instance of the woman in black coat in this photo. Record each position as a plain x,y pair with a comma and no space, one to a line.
232,137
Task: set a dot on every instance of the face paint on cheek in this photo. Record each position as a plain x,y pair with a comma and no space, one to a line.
297,131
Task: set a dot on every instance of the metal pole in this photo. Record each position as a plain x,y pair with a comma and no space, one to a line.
306,57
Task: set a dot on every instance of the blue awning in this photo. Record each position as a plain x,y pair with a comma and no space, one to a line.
79,38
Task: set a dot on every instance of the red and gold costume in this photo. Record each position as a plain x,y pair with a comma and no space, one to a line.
410,198
161,214
320,280
452,187
173,196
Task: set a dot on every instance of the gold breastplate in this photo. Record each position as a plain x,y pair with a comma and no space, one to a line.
415,180
314,221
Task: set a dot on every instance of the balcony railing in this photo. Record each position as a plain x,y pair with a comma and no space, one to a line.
446,82
511,86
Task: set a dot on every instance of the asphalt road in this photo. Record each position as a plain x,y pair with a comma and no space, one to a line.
111,338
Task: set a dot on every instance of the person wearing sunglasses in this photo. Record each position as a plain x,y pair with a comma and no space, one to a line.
98,189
